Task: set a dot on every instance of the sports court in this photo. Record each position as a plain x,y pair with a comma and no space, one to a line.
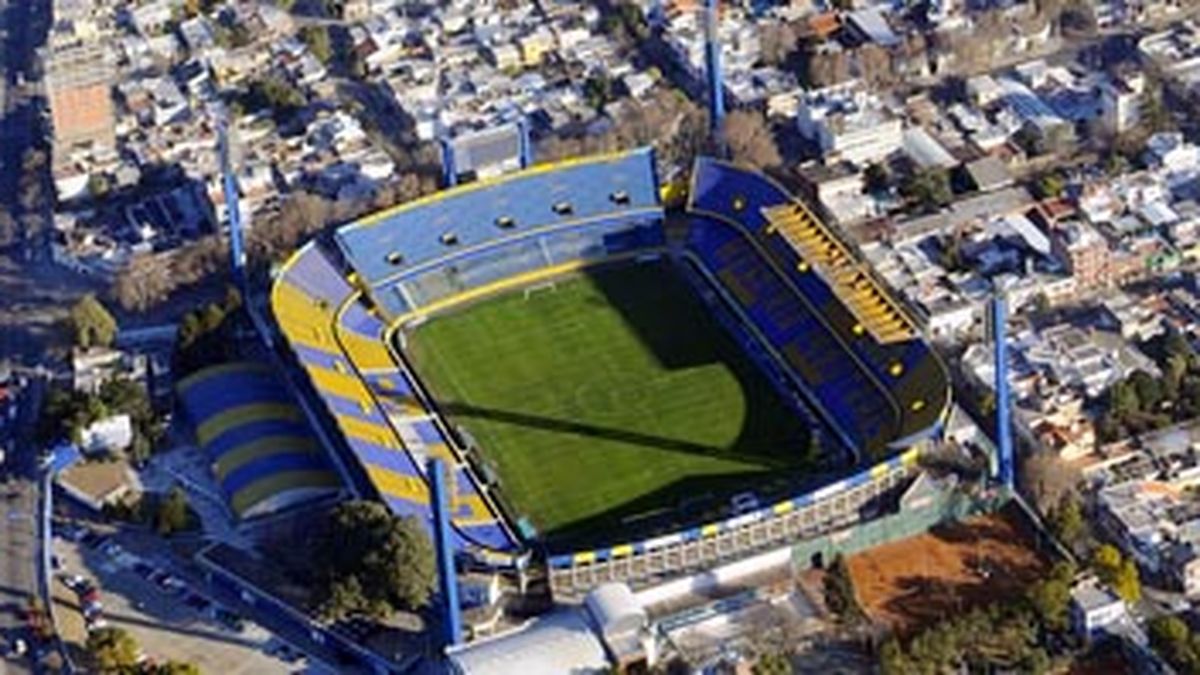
610,403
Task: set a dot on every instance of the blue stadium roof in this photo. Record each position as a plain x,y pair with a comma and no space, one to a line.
404,237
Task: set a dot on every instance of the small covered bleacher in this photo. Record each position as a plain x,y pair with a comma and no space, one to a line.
263,453
853,348
341,344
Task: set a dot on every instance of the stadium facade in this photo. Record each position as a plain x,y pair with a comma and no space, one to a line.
830,329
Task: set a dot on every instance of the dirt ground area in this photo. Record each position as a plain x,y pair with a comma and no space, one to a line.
915,581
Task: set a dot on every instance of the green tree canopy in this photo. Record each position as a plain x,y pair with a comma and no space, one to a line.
772,663
112,650
375,562
928,189
317,40
173,514
92,324
1051,597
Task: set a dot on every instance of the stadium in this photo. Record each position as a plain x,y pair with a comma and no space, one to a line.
626,391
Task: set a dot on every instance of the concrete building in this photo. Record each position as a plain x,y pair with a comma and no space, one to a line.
79,80
1084,252
849,124
1094,609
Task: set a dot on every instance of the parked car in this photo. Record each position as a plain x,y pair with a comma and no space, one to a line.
15,648
75,582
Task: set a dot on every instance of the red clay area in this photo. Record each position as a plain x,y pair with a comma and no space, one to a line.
916,581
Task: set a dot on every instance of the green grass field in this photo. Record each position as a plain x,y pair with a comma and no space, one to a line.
610,404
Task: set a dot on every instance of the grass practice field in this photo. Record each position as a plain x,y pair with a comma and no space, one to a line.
610,403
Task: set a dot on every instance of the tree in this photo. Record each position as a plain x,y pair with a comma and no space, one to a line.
1066,520
172,515
892,660
1051,185
112,650
839,590
928,189
92,324
145,282
749,139
772,663
876,178
875,63
1048,478
1051,597
1127,582
1119,573
825,67
374,562
1171,638
317,40
777,41
1106,560
598,90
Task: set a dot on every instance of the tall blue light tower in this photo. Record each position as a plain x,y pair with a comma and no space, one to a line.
1004,464
443,540
449,166
716,79
237,249
525,141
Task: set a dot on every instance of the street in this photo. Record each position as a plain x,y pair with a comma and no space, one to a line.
20,544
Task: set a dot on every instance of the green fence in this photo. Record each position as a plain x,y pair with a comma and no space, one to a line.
942,506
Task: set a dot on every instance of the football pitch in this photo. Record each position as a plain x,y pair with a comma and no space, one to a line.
610,404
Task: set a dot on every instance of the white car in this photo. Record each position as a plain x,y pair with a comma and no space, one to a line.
15,649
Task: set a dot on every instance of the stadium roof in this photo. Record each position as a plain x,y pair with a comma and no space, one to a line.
263,454
402,238
561,642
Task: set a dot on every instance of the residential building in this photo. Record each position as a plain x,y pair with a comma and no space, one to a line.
79,78
1094,609
1084,252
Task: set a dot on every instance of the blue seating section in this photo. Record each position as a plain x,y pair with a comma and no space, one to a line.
860,411
593,188
340,342
879,395
264,457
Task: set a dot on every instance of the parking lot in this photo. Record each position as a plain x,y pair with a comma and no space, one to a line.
169,619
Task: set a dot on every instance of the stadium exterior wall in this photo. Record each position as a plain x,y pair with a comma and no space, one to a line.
820,511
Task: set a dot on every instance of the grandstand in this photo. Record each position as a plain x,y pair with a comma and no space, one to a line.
817,321
851,347
263,454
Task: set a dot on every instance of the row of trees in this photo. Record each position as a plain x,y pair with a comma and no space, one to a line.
1175,642
113,651
165,514
205,334
678,128
1005,635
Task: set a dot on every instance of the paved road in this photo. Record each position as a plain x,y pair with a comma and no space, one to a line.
19,541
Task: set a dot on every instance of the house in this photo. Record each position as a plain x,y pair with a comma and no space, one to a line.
1094,609
849,123
110,434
